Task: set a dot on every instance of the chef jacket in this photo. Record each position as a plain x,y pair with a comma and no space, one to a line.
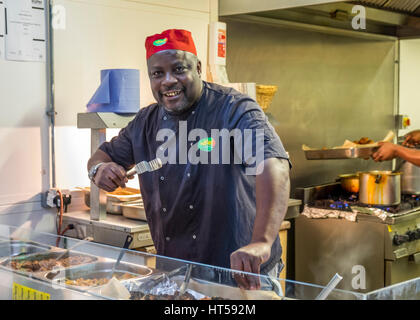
196,211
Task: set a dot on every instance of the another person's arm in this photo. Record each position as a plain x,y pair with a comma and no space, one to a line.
412,138
389,151
272,195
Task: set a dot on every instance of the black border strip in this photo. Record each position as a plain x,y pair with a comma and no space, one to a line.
37,8
42,40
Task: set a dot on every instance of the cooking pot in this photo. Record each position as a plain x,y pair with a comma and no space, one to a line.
380,188
410,180
350,182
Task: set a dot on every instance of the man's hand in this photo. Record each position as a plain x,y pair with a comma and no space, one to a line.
110,176
412,139
249,259
386,151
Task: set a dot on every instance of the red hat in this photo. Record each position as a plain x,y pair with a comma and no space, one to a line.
172,39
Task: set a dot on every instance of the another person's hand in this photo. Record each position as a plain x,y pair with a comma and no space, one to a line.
412,139
386,151
110,176
249,259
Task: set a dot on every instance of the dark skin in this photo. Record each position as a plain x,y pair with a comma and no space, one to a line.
176,84
272,194
389,151
175,79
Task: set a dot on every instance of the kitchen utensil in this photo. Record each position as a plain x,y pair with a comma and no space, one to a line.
330,287
127,243
410,181
134,210
51,275
114,200
343,153
380,188
120,195
348,150
186,281
350,182
145,166
103,269
15,248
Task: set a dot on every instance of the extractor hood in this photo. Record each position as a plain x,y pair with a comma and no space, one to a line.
397,18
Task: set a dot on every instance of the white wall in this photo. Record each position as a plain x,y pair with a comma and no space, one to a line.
410,83
24,157
104,34
99,34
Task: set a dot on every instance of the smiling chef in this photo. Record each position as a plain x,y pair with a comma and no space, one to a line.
216,214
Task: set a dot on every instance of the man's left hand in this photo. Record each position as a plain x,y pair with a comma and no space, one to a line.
249,259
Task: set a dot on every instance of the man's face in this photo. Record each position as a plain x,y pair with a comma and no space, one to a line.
175,79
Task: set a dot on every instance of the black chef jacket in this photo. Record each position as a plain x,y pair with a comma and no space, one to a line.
199,212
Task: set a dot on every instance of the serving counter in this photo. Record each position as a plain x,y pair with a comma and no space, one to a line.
37,266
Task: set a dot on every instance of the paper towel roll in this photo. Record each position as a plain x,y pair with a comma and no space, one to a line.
119,92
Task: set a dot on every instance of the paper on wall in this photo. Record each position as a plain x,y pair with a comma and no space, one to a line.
25,23
217,52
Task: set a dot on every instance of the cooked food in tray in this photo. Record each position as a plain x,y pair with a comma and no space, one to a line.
47,264
93,282
175,296
362,148
364,140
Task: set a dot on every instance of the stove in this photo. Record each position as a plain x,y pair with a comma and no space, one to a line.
337,234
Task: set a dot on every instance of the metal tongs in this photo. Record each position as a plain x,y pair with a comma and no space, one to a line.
186,281
144,166
127,243
52,274
330,287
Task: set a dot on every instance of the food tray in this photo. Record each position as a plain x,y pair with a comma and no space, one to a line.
14,248
167,287
113,199
134,210
99,270
46,256
340,153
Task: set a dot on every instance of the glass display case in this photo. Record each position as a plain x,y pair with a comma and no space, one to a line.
407,290
37,266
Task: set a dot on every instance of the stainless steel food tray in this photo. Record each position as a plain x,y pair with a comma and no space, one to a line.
133,210
43,256
344,153
14,248
98,270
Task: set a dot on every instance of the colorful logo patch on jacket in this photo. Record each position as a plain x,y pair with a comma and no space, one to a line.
206,144
160,42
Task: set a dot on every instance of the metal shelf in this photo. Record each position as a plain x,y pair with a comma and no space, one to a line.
103,120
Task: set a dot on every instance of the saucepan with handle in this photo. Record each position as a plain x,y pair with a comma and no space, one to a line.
380,188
